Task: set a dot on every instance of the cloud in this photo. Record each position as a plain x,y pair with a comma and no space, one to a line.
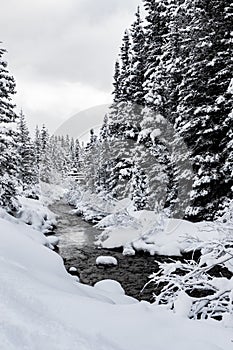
47,103
62,48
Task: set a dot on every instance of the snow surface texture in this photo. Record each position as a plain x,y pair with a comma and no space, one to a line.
42,307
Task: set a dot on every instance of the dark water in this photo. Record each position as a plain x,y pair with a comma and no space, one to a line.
78,250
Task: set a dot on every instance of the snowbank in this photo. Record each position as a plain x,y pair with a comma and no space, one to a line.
110,286
141,230
36,214
149,232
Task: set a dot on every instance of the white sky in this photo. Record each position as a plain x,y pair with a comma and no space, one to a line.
62,53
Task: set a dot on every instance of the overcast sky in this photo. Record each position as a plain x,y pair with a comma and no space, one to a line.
62,53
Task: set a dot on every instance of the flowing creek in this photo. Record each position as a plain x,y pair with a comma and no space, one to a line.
78,250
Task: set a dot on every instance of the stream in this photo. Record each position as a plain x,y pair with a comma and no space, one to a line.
77,248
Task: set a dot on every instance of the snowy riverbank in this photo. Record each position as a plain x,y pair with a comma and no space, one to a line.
43,307
143,230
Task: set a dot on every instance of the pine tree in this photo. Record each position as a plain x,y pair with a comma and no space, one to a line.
116,82
44,138
105,157
78,154
203,95
178,66
155,30
91,163
137,60
160,166
47,162
172,47
37,146
27,166
8,139
139,186
124,81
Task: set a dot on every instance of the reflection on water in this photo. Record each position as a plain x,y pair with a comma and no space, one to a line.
69,236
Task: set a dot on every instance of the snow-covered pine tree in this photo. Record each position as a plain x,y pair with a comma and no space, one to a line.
77,155
173,49
8,139
118,116
154,128
47,163
27,165
223,81
155,31
124,80
186,81
72,152
128,122
204,102
139,186
137,60
44,138
171,57
125,116
227,166
37,146
105,157
46,167
116,81
91,163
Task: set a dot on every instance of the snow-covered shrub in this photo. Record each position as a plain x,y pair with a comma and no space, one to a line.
225,215
92,206
35,214
200,289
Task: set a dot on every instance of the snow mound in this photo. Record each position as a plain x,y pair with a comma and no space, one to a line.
110,286
106,260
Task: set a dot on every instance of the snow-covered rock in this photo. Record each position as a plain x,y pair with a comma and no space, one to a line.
128,250
106,260
72,269
53,240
